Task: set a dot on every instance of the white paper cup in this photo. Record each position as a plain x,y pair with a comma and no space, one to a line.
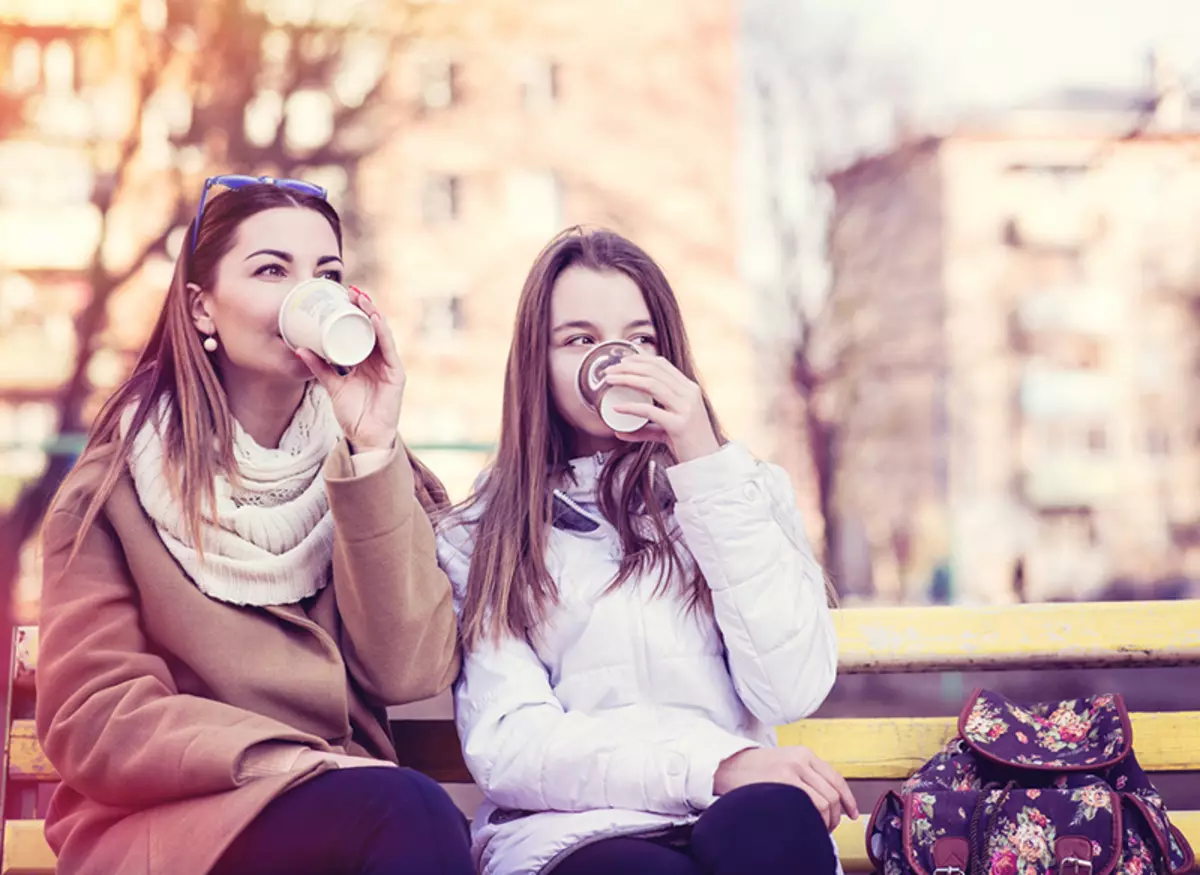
317,315
602,397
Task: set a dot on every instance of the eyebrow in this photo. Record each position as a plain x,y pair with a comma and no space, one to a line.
578,323
284,256
584,324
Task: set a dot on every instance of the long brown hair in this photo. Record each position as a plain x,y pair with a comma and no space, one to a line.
509,589
198,430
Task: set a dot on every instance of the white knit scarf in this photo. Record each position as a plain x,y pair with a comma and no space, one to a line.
271,542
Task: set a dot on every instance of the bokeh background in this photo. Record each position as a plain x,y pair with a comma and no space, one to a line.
939,259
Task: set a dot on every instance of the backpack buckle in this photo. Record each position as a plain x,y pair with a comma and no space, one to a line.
1077,866
948,870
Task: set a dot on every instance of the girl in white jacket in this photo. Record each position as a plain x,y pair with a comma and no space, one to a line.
637,609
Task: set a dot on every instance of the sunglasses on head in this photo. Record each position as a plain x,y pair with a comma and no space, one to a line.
235,181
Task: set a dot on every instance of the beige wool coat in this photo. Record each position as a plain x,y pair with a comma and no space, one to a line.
151,694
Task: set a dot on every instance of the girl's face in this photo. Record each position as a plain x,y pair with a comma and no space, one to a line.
272,252
588,307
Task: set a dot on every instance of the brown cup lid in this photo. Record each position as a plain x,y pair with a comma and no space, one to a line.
590,378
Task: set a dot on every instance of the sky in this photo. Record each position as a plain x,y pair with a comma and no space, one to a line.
971,52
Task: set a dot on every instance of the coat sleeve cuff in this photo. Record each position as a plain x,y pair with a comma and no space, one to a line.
703,762
369,504
267,759
732,465
369,462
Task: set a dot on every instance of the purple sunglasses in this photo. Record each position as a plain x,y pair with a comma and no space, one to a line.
235,181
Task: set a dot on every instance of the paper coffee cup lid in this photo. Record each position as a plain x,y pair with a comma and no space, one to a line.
590,375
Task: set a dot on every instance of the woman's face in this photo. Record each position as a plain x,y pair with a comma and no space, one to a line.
273,251
588,307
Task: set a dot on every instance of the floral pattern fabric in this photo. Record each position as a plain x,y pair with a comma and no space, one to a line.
1091,733
1023,789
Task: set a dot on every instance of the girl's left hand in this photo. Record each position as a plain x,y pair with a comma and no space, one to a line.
366,400
680,417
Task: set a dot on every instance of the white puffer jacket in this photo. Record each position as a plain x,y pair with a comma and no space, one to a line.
614,723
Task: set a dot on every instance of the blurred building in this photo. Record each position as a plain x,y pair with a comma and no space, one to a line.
530,117
511,121
57,108
48,227
1020,304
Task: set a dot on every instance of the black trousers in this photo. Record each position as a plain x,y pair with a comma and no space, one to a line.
759,829
363,821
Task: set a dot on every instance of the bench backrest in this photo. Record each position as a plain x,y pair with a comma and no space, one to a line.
871,641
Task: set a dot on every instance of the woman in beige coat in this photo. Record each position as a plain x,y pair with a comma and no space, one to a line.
239,577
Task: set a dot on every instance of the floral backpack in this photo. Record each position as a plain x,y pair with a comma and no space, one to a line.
1051,789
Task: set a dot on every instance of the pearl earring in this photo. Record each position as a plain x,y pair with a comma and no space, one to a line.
210,344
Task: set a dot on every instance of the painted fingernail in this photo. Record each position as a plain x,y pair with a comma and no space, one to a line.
361,292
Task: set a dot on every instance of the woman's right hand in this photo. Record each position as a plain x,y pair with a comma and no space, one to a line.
366,401
797,766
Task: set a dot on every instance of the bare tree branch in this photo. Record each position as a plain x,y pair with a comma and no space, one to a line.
826,105
211,53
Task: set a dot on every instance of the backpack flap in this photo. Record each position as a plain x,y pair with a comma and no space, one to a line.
1076,735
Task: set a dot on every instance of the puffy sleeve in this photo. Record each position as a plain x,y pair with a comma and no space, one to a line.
740,522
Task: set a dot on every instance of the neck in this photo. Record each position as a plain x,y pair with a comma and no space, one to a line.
264,408
584,444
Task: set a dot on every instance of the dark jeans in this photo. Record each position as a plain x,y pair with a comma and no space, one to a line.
364,821
760,829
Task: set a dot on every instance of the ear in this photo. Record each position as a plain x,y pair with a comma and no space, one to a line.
198,308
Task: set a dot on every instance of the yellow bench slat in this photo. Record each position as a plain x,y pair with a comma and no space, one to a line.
884,748
25,849
26,759
894,747
852,847
873,640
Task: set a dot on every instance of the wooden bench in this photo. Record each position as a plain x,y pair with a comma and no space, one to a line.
872,641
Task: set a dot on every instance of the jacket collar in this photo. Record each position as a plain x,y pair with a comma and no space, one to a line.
574,507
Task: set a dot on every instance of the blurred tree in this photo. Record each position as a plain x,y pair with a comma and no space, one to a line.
166,92
818,101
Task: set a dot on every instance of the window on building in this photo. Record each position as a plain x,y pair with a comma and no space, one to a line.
1153,368
26,71
442,199
439,83
443,317
535,201
540,84
59,68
